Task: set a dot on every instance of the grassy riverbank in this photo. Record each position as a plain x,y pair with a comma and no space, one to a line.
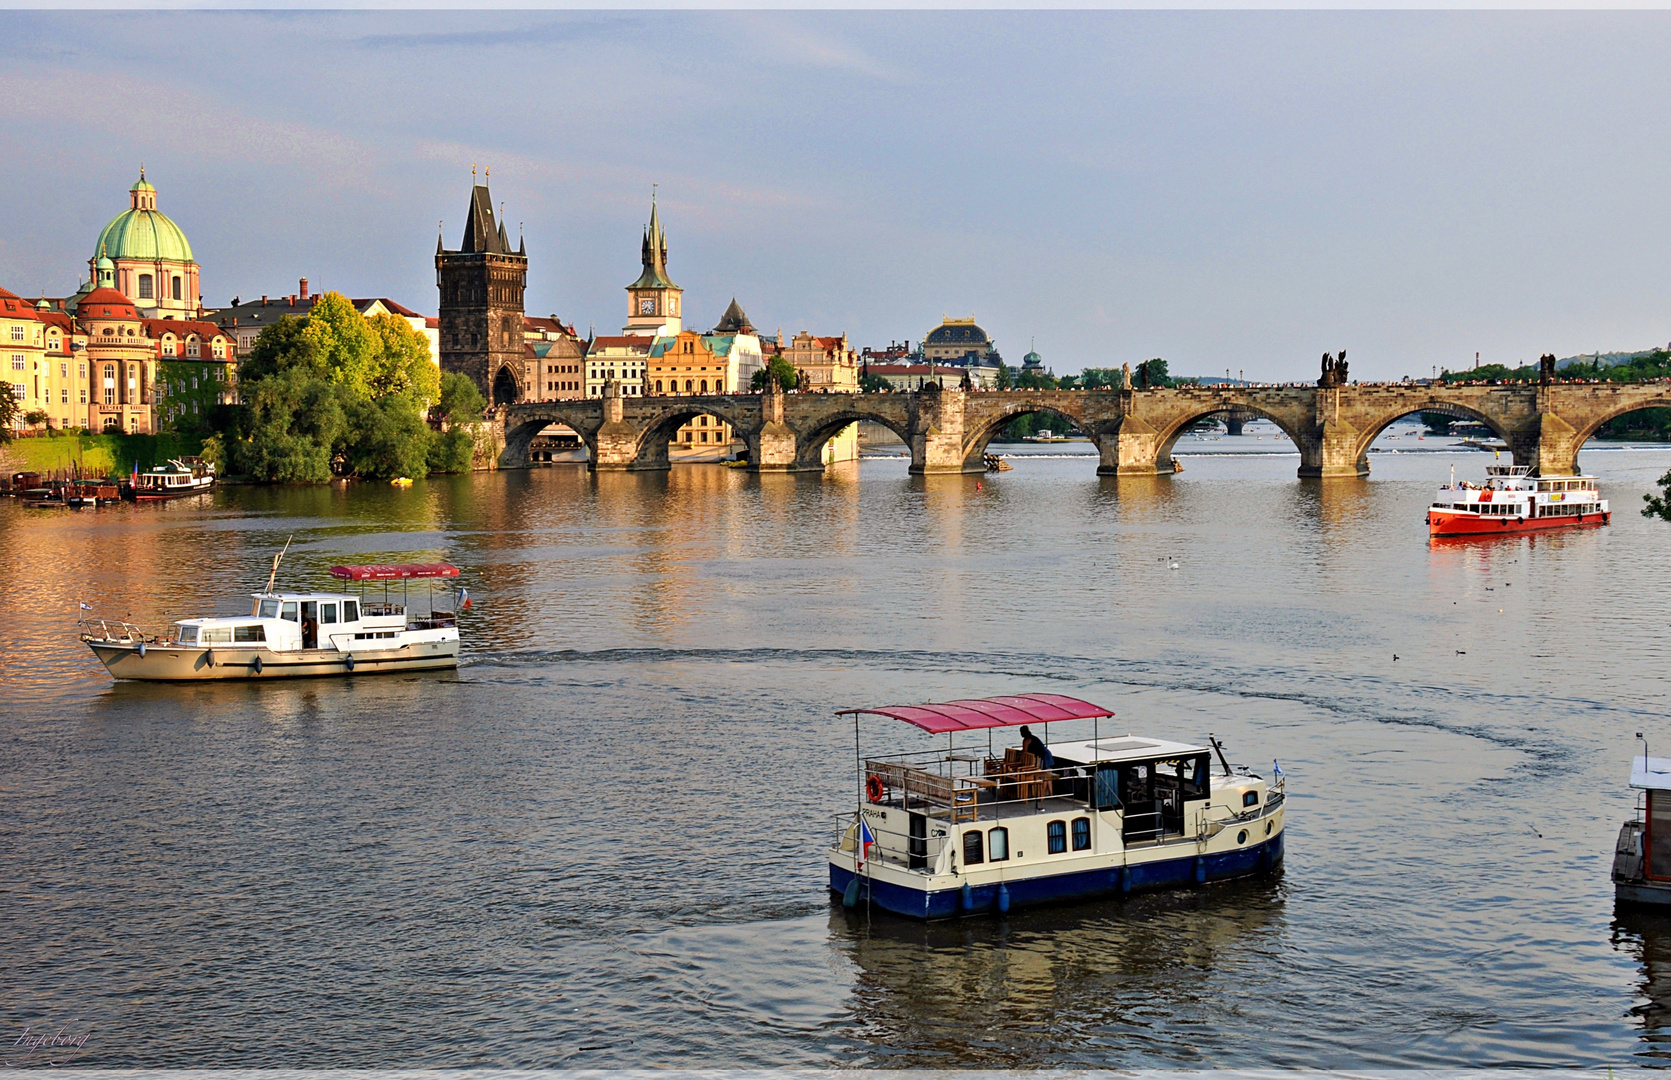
93,455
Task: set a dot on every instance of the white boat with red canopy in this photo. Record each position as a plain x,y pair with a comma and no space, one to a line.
289,634
972,828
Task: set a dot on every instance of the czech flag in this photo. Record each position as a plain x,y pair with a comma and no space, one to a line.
867,840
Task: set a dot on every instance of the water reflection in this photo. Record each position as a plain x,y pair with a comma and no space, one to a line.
1058,986
1645,935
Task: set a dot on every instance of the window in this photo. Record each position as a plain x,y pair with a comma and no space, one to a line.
1082,834
687,386
998,844
1056,837
17,333
192,347
1250,798
64,396
217,635
63,371
268,609
704,386
17,361
145,287
20,390
288,611
327,613
973,848
250,633
188,635
177,295
350,611
84,395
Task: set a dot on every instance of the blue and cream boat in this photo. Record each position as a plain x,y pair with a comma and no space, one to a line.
970,828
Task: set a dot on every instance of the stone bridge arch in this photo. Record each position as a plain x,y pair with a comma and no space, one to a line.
1166,438
658,429
1659,397
811,434
979,435
523,424
1371,430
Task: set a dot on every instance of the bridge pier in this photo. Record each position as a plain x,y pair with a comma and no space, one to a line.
773,448
937,441
1549,445
615,447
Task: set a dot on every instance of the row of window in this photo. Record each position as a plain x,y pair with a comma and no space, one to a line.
273,609
147,288
994,844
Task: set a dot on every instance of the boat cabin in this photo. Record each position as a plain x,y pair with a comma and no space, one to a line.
288,621
988,804
1652,777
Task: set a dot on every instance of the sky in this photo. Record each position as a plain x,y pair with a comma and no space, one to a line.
1235,191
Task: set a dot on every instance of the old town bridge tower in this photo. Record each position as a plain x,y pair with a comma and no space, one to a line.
481,305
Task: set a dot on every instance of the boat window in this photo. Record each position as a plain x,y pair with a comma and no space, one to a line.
327,613
269,609
250,633
1082,834
973,848
188,635
1250,798
350,611
1057,834
288,611
216,635
998,843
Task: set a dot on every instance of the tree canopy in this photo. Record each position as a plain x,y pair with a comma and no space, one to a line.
335,393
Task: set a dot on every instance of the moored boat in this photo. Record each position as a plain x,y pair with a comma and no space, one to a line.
290,634
1513,500
966,830
178,478
1642,855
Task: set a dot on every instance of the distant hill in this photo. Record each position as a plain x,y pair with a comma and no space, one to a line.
1606,359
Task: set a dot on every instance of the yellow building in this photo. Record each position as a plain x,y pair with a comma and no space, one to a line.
828,365
23,337
692,365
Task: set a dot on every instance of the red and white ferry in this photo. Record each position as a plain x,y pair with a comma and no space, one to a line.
1513,500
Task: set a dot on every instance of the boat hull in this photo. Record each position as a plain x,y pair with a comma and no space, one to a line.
1045,889
1441,523
176,663
1642,893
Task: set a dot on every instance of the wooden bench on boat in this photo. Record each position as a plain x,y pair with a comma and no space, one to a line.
1019,777
958,797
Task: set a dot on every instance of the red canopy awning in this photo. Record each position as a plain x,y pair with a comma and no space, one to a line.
973,713
395,572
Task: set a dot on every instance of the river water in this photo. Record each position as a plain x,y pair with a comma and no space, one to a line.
599,843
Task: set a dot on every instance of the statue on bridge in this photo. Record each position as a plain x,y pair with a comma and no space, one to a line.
1334,371
1125,375
1546,369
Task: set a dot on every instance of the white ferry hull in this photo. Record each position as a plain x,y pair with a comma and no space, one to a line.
179,663
1179,863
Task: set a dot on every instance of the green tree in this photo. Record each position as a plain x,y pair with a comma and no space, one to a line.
388,438
8,412
1102,378
872,384
292,425
1006,376
1659,506
780,369
1151,374
36,416
458,399
345,347
402,363
460,404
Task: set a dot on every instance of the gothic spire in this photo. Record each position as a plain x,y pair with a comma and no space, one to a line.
480,232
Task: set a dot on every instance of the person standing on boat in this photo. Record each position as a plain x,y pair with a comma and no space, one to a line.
1032,744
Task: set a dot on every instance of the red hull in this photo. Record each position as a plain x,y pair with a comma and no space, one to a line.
1440,523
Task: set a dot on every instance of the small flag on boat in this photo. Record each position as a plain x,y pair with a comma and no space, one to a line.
1275,767
866,841
85,606
464,599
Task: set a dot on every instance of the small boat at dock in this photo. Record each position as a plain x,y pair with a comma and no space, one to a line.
291,634
969,829
177,479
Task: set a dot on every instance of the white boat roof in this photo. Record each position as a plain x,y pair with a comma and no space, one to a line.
1650,773
308,596
1124,748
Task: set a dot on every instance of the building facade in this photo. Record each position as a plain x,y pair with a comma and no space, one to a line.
624,358
828,363
559,359
480,316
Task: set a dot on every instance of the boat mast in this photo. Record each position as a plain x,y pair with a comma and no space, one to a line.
276,558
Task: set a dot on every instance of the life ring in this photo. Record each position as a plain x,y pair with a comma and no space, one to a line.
875,790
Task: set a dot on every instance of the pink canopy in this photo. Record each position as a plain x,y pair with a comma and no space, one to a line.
396,572
973,713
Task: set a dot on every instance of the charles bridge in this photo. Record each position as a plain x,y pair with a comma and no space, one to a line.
1135,430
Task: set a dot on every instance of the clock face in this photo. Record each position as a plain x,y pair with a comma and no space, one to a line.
647,306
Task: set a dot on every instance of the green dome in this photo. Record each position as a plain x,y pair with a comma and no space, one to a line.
144,235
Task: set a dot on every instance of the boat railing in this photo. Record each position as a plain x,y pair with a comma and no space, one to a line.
435,620
380,611
990,787
891,846
125,633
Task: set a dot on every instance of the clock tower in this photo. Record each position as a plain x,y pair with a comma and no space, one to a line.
653,300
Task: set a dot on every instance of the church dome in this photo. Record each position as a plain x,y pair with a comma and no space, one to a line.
142,232
957,332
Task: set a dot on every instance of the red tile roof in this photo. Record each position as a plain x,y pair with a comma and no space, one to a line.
106,302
